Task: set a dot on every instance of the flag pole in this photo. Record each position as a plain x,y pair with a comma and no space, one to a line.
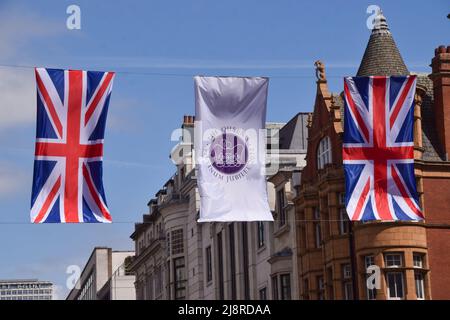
353,260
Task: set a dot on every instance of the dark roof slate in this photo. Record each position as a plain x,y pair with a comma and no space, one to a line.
430,140
382,57
294,134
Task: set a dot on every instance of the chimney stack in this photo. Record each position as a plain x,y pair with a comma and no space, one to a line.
188,121
441,85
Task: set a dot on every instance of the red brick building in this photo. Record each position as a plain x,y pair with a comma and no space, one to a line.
414,257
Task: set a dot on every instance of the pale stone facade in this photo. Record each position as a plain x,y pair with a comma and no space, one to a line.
178,258
105,277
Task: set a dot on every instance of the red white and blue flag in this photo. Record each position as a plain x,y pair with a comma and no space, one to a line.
72,107
378,148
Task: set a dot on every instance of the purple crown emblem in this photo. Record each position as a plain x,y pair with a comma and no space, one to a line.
228,153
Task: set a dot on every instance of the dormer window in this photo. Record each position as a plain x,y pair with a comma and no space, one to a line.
324,152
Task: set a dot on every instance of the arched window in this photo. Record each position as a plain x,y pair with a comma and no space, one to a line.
324,152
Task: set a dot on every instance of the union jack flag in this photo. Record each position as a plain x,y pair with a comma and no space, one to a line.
72,107
378,148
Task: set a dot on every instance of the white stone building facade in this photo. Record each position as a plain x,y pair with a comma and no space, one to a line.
179,258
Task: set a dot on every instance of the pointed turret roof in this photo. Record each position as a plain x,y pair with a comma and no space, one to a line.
382,57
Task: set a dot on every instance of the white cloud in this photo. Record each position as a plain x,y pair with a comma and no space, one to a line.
18,27
59,293
12,179
17,97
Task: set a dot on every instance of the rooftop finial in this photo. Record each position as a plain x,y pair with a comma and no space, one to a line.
380,24
320,71
381,57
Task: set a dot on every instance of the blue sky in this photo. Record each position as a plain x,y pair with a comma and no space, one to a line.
279,39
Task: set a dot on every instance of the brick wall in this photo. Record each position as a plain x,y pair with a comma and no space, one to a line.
437,210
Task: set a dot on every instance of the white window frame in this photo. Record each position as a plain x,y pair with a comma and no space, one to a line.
420,260
347,285
421,283
177,241
348,288
402,281
324,155
346,271
369,260
386,260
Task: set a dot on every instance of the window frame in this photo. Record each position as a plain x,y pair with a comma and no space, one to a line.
262,293
285,287
369,257
348,290
177,241
208,258
343,221
371,294
320,287
323,153
422,284
346,274
421,256
260,234
179,278
281,202
390,254
388,288
317,235
274,280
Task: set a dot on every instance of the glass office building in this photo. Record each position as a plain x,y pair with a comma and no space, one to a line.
25,290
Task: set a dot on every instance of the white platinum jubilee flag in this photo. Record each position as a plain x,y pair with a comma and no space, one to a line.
230,148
